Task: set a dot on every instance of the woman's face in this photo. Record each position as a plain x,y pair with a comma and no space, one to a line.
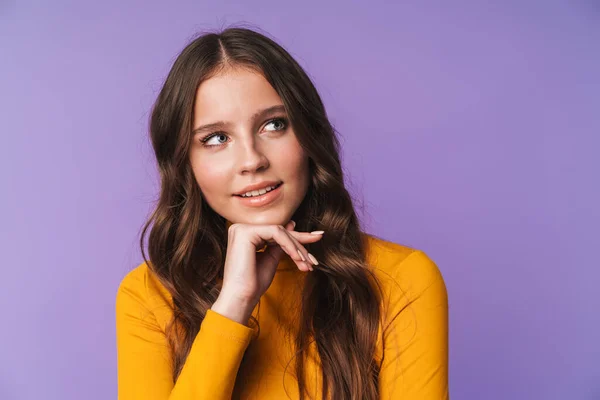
249,141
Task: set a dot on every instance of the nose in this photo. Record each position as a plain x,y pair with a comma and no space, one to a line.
251,157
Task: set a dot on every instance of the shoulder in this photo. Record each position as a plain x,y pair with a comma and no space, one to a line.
141,289
412,340
401,267
134,282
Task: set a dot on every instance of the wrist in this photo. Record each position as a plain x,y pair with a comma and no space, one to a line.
238,310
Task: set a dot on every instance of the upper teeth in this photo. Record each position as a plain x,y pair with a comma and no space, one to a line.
259,192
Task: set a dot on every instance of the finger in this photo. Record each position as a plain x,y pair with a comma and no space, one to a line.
275,235
302,237
306,237
278,234
289,226
308,258
292,247
274,252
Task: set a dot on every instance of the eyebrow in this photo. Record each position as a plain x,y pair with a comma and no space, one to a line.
259,114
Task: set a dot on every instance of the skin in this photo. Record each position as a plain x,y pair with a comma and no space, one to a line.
246,151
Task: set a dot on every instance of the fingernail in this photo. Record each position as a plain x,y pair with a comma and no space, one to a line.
313,259
301,255
317,232
309,267
293,224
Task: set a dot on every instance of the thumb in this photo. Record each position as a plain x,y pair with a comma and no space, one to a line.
273,252
268,261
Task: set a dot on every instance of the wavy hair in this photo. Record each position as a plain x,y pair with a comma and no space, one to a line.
340,308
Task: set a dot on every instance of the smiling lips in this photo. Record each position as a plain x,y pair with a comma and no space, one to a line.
262,197
258,188
255,193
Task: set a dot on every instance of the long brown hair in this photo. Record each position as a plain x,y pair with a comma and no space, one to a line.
340,308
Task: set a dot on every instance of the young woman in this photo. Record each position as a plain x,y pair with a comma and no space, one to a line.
259,283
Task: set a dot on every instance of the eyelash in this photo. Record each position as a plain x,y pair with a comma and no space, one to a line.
211,135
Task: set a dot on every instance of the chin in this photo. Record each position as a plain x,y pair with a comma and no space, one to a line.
270,217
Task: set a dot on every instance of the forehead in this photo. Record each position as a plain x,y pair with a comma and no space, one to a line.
233,93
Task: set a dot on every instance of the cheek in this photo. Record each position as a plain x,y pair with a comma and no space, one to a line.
290,159
210,177
293,167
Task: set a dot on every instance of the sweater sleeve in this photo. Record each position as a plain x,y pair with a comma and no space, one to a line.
415,335
144,358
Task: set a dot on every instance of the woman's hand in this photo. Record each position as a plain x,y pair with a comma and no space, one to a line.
248,274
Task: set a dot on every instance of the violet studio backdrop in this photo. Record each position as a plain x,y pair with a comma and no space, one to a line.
470,130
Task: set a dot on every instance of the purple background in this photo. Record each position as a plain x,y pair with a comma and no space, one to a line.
470,130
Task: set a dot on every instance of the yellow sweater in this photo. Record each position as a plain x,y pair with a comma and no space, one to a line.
229,361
